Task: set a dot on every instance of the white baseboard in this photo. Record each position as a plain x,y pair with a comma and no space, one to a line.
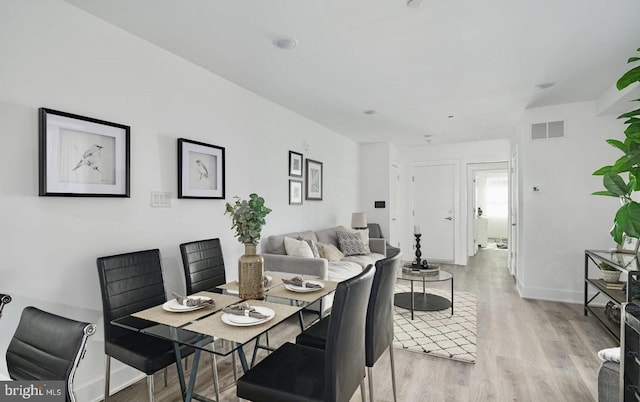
557,295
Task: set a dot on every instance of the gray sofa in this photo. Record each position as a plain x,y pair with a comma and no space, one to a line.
276,258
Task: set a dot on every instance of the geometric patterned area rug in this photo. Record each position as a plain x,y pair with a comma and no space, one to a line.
437,333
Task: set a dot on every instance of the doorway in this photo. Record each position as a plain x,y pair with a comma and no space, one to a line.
488,224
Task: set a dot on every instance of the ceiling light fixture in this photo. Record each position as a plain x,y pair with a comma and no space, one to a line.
545,85
285,43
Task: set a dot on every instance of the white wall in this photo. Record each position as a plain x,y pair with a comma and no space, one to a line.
461,154
374,183
57,56
557,224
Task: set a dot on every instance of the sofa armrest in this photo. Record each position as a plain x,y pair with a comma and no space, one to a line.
378,246
296,265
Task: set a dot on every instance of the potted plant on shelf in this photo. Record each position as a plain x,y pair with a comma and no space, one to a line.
248,217
609,273
627,219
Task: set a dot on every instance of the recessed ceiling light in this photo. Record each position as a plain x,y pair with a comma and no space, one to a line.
370,111
545,85
414,3
285,43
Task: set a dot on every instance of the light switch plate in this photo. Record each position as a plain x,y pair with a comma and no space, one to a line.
161,199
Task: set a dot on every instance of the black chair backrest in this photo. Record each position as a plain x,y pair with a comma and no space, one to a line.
344,351
46,346
129,283
375,232
379,327
203,265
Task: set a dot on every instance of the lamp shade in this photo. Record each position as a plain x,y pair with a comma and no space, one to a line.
359,220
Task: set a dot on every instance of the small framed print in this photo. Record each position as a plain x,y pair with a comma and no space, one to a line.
295,192
82,157
314,180
629,245
295,164
200,170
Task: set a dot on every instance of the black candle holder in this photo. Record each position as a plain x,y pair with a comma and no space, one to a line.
418,261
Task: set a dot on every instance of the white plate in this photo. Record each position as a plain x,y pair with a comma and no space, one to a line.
302,289
244,321
175,307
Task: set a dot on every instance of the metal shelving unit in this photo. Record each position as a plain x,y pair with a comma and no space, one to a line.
626,263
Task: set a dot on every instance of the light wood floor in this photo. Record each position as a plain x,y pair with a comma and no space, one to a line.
527,350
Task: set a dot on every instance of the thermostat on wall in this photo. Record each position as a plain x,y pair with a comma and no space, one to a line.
379,204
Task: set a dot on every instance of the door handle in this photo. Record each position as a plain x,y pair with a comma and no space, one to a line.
449,218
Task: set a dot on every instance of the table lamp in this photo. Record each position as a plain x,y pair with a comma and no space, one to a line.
359,220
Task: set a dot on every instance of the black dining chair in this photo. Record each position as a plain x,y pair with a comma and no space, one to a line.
203,265
379,327
4,300
203,271
130,283
297,373
47,347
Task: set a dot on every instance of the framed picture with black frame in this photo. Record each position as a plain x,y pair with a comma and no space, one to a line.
82,156
295,164
295,192
200,170
314,180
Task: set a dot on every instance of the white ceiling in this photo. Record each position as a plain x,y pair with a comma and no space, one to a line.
476,60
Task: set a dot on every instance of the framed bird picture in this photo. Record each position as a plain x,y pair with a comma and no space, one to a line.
200,170
82,157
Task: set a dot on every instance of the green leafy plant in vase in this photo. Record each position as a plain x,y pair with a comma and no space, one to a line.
609,273
248,217
627,219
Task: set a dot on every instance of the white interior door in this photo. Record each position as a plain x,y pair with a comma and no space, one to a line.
395,211
433,201
513,216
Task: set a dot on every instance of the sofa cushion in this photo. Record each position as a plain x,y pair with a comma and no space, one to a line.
328,236
350,243
330,252
364,260
297,248
275,243
342,270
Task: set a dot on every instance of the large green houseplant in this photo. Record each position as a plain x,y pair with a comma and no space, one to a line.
627,218
248,220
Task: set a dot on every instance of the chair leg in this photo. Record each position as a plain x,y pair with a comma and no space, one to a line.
150,387
362,389
107,378
165,377
370,375
393,373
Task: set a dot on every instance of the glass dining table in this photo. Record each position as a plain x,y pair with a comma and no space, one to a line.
209,328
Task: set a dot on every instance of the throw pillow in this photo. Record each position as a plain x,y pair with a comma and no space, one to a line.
312,246
351,243
297,248
364,233
330,252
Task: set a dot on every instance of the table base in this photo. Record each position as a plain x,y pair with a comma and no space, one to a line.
421,301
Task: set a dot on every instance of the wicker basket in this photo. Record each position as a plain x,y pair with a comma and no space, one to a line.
610,276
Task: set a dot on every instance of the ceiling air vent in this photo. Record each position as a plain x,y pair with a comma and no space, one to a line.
552,129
